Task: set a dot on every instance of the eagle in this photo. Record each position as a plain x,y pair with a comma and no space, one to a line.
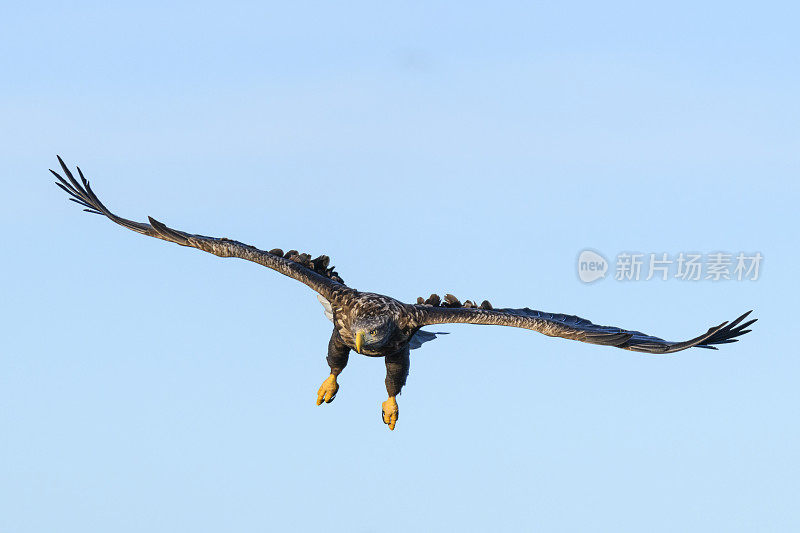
376,325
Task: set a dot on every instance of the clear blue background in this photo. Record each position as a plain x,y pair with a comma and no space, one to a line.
426,147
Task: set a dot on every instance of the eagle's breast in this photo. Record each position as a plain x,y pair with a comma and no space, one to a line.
371,304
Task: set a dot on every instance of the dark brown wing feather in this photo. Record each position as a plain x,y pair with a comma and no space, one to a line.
313,272
579,329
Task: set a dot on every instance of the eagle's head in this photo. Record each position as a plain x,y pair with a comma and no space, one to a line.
372,332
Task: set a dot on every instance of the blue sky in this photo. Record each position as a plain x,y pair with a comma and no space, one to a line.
426,147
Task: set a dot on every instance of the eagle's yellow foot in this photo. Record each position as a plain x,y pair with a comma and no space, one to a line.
389,412
327,391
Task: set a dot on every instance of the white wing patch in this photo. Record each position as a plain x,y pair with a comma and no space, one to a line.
419,338
327,305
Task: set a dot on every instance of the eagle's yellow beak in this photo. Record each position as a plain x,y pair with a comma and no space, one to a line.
359,340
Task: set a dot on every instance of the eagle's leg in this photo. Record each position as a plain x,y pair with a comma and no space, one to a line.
397,365
338,354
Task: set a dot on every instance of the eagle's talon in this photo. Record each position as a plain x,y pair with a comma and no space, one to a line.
327,391
390,412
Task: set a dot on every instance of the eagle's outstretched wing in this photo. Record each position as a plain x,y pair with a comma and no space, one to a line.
313,272
572,327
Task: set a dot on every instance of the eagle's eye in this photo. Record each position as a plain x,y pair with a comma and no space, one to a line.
373,332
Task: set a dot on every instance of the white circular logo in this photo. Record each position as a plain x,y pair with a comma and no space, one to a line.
591,266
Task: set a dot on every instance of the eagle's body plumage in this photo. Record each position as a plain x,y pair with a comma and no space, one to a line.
369,305
376,325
